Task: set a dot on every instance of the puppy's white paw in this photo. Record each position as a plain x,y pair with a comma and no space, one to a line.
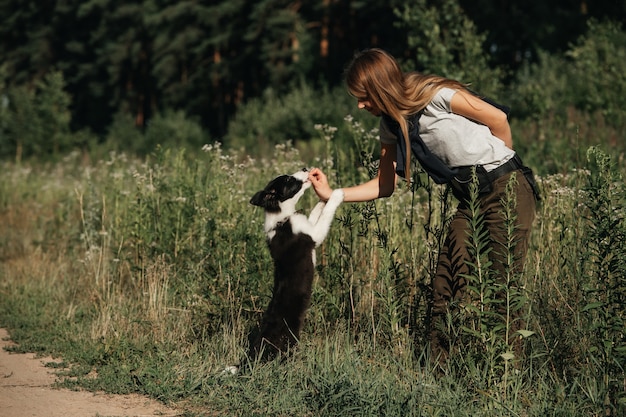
336,198
230,370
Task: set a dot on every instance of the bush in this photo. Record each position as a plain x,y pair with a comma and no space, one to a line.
604,266
35,121
276,119
564,104
597,75
171,129
446,43
589,77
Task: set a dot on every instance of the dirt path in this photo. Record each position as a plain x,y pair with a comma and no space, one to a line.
25,391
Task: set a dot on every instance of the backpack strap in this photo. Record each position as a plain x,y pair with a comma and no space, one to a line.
432,164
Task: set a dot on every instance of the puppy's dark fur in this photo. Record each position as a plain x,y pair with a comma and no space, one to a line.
292,239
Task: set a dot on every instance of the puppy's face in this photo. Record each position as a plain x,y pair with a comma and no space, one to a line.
281,189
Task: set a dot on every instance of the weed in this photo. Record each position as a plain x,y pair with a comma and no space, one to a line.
145,276
605,286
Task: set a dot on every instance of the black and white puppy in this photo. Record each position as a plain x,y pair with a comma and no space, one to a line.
292,239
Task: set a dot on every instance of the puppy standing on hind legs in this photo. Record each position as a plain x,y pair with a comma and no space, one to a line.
292,239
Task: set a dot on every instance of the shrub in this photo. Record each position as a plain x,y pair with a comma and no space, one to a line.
171,129
597,77
604,275
274,119
35,121
589,77
563,104
447,43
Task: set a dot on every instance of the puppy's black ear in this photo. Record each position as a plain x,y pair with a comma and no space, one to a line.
258,198
266,199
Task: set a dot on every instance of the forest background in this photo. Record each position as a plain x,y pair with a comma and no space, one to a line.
257,73
133,134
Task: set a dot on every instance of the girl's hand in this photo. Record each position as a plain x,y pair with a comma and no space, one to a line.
320,184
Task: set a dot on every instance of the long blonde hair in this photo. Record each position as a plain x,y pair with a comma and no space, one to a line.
375,75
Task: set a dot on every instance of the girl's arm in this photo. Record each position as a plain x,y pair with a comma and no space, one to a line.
468,105
382,186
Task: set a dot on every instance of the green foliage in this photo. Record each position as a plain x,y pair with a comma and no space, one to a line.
275,119
447,43
539,88
284,43
515,33
142,57
169,129
597,77
563,104
605,271
172,130
29,38
481,280
151,272
123,134
184,34
488,331
36,122
588,77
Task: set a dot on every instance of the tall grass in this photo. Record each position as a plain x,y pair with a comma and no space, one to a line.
146,276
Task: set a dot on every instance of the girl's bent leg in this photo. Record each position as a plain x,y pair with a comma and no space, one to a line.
448,284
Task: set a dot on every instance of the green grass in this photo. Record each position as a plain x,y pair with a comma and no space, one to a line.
146,276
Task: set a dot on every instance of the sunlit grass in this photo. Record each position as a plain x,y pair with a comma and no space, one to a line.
146,276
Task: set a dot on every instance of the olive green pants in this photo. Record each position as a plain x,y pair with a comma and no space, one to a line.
449,282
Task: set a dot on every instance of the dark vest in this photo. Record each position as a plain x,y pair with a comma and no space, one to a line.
434,167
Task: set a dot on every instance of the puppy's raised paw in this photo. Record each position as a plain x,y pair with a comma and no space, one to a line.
336,198
230,370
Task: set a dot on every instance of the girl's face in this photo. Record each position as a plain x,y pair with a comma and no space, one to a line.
365,103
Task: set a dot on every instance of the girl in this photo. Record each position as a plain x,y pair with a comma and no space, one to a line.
452,132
